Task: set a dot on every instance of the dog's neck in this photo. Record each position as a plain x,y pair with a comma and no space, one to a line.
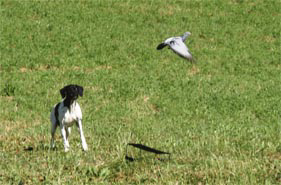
68,102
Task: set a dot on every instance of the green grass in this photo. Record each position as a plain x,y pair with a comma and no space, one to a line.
220,118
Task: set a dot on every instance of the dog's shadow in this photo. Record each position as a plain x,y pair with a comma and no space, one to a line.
40,147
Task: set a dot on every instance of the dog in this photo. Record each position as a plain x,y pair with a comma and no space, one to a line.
66,113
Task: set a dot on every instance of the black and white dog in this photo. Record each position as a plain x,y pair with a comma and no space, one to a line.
67,112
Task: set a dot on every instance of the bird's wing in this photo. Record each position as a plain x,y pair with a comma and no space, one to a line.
179,47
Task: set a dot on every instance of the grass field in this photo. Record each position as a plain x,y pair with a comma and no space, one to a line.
220,118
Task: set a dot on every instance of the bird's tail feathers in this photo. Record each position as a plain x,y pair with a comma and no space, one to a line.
193,60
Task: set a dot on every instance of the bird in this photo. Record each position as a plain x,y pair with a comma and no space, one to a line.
178,46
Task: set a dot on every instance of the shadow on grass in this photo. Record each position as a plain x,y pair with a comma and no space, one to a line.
156,153
41,147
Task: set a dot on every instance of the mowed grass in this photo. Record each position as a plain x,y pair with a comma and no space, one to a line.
220,118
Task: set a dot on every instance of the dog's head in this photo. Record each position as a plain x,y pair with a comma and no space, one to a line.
71,92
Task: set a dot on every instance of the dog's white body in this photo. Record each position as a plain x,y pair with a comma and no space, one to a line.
67,117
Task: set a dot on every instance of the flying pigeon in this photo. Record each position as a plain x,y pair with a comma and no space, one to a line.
178,46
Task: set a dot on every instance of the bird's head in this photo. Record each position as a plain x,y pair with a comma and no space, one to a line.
187,33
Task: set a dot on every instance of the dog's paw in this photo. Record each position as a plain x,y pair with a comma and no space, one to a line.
85,148
66,149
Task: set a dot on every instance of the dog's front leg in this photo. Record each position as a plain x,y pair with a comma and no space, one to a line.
64,139
83,140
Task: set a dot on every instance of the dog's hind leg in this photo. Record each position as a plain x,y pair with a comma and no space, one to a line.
53,131
54,125
67,132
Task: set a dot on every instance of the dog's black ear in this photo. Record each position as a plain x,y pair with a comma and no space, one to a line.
63,92
80,90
